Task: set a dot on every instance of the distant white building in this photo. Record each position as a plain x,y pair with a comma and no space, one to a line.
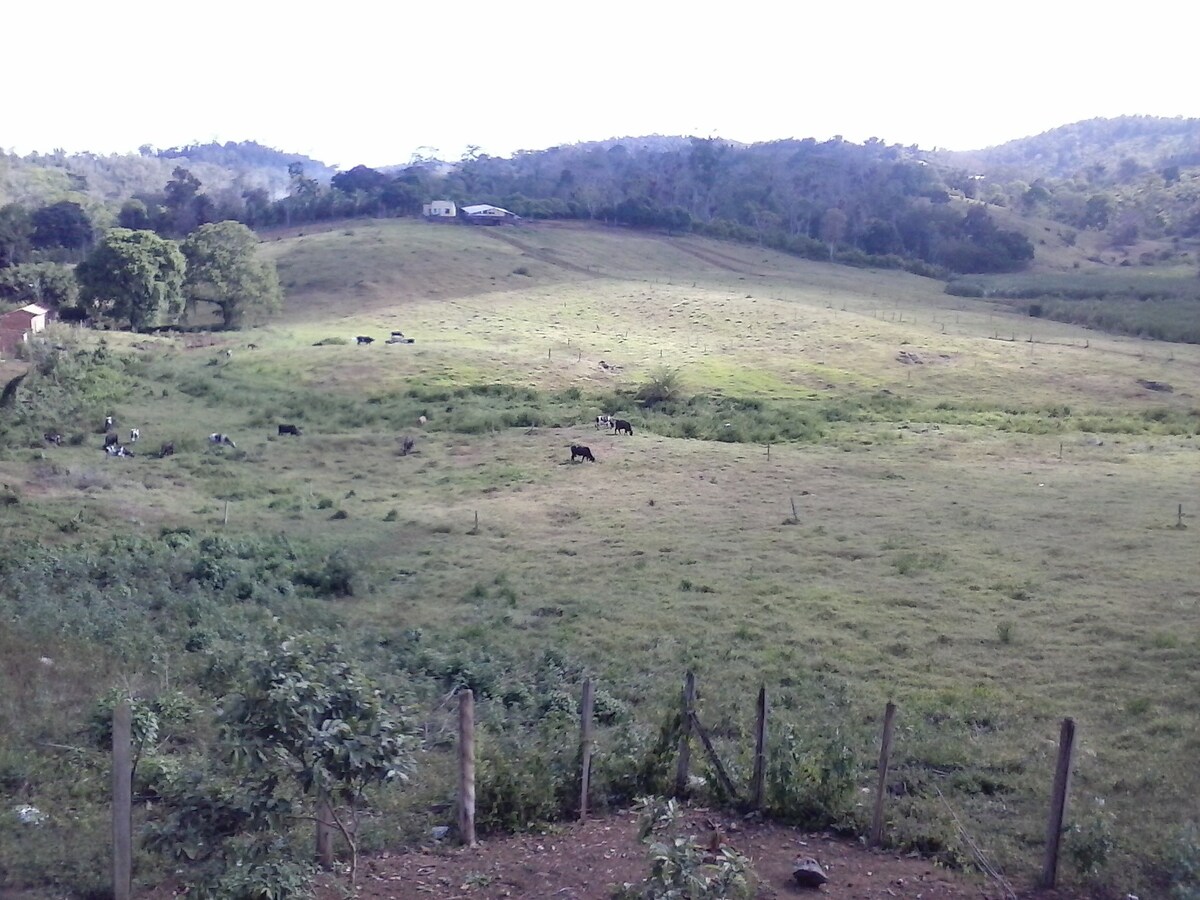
486,214
440,209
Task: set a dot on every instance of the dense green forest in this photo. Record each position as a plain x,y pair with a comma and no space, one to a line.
1126,181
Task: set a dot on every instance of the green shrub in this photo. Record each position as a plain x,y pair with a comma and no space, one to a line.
810,786
1089,842
527,779
663,386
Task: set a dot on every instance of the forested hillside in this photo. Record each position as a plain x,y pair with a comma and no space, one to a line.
1115,192
1132,178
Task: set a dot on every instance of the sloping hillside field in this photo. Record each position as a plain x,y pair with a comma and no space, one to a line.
845,485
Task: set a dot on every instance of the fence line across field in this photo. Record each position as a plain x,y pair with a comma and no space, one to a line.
690,726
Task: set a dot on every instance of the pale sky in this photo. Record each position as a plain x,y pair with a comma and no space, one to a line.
373,82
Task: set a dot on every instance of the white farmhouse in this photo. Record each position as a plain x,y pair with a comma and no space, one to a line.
440,209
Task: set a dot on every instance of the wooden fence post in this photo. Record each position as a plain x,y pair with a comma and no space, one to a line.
122,801
722,775
885,753
585,746
466,767
324,838
1058,803
758,788
685,734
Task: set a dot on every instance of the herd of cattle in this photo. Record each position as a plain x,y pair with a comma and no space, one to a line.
618,426
114,447
396,337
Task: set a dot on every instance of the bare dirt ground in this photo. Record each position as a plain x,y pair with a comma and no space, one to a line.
586,862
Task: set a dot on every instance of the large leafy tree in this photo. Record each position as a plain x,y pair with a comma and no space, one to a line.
135,276
135,215
63,224
15,232
360,178
224,269
40,283
184,206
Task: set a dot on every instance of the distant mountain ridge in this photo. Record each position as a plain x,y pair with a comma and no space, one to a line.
1068,150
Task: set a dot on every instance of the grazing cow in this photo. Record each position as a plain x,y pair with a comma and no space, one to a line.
108,423
620,425
167,449
217,438
604,422
364,339
111,440
578,450
134,435
252,346
290,429
421,420
406,446
53,437
118,450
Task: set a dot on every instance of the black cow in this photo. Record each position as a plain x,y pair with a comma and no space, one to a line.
621,425
111,440
290,429
167,449
53,437
364,339
406,446
578,450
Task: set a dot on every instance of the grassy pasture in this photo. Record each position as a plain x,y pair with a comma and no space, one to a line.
984,528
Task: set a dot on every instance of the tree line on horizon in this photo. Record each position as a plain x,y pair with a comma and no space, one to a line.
872,204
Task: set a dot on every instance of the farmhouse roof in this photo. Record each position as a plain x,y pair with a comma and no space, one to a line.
35,309
17,319
481,208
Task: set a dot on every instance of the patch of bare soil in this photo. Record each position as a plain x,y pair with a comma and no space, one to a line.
586,862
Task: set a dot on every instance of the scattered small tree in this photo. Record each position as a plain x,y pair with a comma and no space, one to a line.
306,717
833,228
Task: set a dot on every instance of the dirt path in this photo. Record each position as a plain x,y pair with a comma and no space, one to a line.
540,254
585,862
713,257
